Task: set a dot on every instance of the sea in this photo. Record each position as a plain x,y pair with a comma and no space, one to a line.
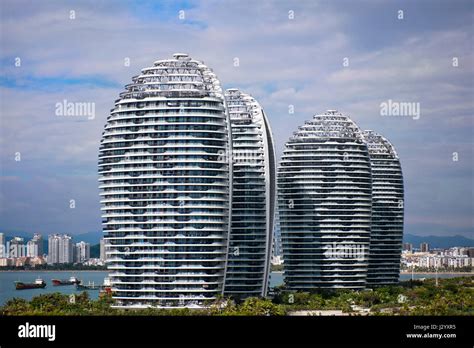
8,278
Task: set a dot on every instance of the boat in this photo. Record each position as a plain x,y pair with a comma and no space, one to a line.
90,286
106,288
71,281
38,284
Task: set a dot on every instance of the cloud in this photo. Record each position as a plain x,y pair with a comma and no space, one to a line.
282,62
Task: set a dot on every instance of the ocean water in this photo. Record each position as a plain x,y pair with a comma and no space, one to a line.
8,278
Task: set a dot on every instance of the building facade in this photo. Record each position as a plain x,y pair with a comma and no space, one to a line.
253,198
35,246
424,247
17,247
324,201
66,249
60,249
103,250
83,252
166,186
53,249
387,211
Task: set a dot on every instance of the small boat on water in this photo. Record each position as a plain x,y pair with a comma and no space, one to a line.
106,288
90,286
38,284
71,281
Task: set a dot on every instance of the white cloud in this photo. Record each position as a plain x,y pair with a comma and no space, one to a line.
282,62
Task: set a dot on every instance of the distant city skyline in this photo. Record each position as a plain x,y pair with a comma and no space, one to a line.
297,59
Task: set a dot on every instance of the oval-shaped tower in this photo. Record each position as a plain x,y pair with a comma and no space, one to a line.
165,186
387,211
253,197
324,202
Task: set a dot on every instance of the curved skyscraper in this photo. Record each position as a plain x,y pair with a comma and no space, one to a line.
253,198
165,186
387,211
324,201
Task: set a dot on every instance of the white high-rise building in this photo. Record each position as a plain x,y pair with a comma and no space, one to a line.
103,250
53,249
325,201
83,252
66,247
17,247
60,249
35,246
166,186
387,211
253,198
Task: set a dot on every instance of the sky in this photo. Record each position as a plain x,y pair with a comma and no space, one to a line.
309,56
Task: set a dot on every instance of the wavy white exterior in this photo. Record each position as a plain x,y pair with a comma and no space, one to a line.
166,188
387,211
253,198
324,201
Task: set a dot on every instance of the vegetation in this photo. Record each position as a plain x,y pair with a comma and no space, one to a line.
59,304
453,296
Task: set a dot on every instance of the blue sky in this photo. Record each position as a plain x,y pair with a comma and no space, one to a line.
283,62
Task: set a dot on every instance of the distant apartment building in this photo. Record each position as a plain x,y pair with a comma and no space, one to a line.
66,249
452,258
424,247
17,247
408,247
103,254
53,249
444,261
34,247
82,252
60,249
470,252
2,239
5,262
